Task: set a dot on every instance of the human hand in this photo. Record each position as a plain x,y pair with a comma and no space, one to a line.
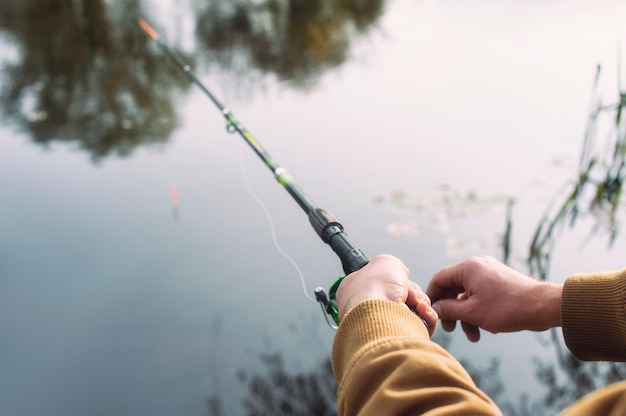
385,277
482,292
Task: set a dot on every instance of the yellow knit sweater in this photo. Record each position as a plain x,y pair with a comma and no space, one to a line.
386,363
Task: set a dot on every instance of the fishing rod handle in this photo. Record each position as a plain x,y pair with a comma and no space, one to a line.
331,232
352,259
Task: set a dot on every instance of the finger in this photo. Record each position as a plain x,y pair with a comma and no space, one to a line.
415,294
451,309
429,315
446,280
448,325
471,331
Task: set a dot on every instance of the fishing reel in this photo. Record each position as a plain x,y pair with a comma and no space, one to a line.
329,303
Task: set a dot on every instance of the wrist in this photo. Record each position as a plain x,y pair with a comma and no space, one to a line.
351,299
549,305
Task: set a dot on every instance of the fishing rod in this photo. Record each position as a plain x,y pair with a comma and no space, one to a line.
324,223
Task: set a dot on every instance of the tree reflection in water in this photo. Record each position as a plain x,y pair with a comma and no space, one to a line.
294,40
280,392
86,75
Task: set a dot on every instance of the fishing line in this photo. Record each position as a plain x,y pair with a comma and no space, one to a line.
327,227
270,220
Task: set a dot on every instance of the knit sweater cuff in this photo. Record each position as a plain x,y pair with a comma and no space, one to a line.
593,315
371,322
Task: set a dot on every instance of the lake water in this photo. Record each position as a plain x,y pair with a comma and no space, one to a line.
137,271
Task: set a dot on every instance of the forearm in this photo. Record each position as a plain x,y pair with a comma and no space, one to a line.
593,315
386,364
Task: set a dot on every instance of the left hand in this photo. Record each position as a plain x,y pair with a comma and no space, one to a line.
385,277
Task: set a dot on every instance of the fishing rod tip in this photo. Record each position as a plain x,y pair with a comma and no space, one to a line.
147,28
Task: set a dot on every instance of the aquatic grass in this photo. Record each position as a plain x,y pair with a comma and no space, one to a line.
595,191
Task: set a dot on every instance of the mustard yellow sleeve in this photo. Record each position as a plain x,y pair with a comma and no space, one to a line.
609,401
593,315
386,364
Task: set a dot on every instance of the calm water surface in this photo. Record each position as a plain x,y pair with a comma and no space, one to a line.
137,272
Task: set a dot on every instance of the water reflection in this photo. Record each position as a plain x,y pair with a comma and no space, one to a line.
294,40
273,393
85,74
